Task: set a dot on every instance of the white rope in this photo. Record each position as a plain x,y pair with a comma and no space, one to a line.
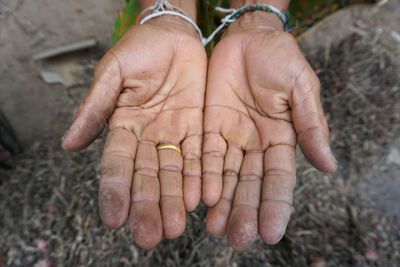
232,12
225,10
224,22
163,7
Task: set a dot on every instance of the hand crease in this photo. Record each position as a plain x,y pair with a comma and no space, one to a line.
171,168
119,153
215,154
191,156
245,205
189,175
180,109
250,178
212,173
308,129
113,184
143,200
277,200
226,199
171,195
148,172
230,172
281,144
278,172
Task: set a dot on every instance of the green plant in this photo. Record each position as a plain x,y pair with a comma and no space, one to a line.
308,12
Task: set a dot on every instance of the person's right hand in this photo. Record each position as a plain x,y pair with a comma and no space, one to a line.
150,89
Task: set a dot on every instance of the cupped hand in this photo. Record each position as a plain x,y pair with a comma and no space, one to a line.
149,88
261,98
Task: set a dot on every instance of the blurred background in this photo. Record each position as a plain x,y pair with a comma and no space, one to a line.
48,198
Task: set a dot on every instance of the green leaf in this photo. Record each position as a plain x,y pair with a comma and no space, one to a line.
126,18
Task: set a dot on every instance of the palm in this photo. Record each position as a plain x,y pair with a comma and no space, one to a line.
253,111
164,83
150,89
256,104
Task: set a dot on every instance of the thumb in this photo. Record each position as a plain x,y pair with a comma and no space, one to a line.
310,122
98,105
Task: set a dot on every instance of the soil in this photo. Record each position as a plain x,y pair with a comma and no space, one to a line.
30,27
352,218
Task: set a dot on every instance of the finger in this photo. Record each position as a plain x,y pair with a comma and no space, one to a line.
214,150
277,192
310,122
116,178
191,150
217,216
172,206
145,216
242,228
98,106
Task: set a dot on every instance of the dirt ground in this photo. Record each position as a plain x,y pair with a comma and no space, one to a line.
31,27
48,201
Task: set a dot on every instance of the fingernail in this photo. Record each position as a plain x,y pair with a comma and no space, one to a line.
334,159
65,135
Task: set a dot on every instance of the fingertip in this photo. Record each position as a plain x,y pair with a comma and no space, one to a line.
191,203
145,224
242,228
66,142
67,145
271,239
191,192
328,161
173,217
330,168
147,243
323,160
333,163
174,230
78,138
273,220
113,207
211,194
217,218
191,206
317,150
211,189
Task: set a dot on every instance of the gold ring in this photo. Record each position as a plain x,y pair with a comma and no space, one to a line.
168,146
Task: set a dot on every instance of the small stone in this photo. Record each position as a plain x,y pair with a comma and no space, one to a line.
318,262
394,157
371,254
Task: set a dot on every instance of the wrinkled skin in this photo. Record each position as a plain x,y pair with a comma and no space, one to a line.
261,98
150,89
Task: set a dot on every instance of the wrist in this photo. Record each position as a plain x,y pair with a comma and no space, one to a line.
171,22
280,4
261,19
175,24
189,6
256,20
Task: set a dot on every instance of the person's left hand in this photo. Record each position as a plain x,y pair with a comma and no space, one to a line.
261,98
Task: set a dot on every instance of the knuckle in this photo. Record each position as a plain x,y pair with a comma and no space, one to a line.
192,170
171,168
231,172
146,171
